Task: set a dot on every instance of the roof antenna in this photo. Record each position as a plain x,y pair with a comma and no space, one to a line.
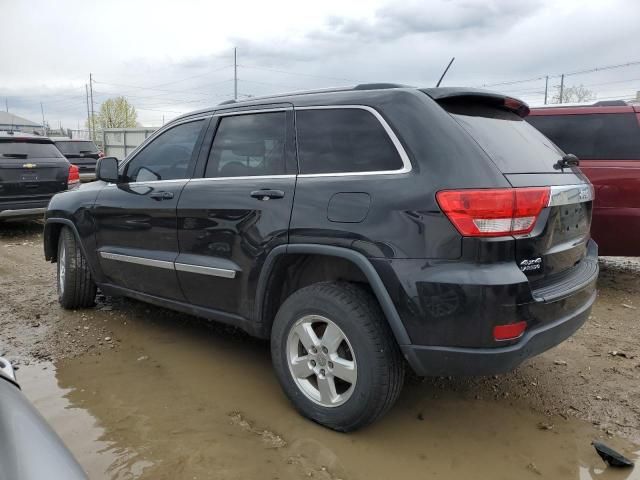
445,72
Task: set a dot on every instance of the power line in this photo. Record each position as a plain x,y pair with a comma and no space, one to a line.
297,73
577,72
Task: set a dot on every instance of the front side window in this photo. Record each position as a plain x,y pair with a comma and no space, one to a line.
248,145
343,140
169,156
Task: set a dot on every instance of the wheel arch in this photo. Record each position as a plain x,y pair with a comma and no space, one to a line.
273,266
51,237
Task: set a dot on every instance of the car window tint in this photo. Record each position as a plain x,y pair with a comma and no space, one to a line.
70,148
21,149
605,136
343,140
248,145
168,156
511,143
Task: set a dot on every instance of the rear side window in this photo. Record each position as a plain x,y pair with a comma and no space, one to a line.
512,144
248,145
343,140
605,136
76,148
27,149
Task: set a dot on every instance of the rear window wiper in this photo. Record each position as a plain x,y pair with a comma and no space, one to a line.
569,160
87,151
15,155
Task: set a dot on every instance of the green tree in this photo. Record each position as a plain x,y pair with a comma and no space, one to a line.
576,93
117,113
114,113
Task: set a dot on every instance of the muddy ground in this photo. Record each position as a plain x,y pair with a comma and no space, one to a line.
142,392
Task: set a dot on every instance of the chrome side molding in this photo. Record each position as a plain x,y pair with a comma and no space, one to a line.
177,266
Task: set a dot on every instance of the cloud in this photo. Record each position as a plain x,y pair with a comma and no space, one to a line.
168,60
398,20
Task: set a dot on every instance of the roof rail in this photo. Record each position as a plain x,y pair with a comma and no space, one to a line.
378,86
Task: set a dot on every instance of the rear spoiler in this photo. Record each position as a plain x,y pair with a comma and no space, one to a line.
476,95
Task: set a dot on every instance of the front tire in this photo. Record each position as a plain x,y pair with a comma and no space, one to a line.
76,288
335,355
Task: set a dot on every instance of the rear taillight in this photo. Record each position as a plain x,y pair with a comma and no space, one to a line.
493,212
74,176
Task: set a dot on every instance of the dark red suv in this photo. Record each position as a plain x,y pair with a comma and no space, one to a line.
606,138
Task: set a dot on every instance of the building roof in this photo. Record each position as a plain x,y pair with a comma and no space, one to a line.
7,118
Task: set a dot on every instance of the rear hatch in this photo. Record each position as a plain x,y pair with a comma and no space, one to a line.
554,255
82,153
31,169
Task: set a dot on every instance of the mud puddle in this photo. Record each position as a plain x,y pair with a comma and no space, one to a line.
179,401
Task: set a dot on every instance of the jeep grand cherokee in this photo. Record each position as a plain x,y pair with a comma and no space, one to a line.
359,229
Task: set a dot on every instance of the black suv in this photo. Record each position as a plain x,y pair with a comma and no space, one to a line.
32,170
83,153
358,229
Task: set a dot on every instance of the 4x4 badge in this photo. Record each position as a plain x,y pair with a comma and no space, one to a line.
528,265
585,193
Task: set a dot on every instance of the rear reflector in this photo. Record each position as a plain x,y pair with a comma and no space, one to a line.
493,212
74,176
510,331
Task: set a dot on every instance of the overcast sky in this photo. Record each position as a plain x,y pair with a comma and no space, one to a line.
172,57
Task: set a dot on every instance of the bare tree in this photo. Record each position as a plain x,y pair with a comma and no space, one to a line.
576,93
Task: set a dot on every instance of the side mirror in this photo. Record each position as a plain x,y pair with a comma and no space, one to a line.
107,169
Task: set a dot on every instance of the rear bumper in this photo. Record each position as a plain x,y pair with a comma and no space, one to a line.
87,176
23,213
25,209
441,361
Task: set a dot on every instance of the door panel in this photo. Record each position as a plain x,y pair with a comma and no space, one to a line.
229,221
133,226
136,224
616,213
221,226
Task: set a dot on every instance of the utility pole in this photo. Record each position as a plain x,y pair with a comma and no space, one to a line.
93,123
44,128
86,89
546,88
6,104
235,73
561,87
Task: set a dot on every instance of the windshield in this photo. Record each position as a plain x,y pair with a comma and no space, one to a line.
76,148
15,148
513,144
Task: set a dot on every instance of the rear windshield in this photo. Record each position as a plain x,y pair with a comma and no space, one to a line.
10,148
513,144
76,148
604,136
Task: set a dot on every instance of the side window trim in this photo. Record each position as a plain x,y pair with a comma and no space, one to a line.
196,149
213,128
406,162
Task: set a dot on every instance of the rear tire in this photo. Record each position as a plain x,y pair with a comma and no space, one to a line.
76,288
348,368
